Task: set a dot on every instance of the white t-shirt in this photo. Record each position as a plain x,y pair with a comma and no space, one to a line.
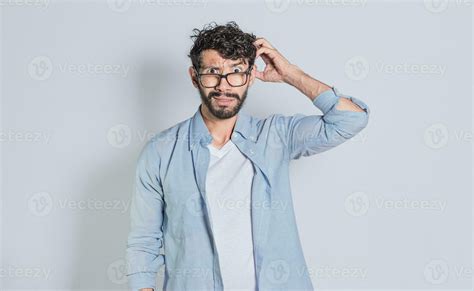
228,190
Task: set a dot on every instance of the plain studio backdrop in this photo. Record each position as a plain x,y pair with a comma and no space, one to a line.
86,83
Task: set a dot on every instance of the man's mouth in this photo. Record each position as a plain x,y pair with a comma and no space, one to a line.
220,97
223,100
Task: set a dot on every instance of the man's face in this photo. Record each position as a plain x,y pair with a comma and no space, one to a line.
223,101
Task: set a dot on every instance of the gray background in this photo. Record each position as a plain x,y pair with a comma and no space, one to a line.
389,209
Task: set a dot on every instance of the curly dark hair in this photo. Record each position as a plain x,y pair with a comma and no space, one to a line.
229,40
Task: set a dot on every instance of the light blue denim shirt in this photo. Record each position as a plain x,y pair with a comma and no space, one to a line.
170,224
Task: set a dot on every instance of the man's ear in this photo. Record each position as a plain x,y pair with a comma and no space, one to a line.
193,76
252,74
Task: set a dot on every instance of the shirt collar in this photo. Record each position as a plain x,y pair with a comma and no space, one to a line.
198,129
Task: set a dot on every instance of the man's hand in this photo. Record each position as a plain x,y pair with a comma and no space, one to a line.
146,289
277,68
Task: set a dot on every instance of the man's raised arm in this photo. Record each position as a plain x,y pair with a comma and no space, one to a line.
343,116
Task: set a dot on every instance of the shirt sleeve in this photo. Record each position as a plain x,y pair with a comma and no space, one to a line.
306,135
145,239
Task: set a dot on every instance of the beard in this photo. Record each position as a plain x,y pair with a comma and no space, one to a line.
220,111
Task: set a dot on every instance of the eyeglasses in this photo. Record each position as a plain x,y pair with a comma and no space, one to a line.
235,79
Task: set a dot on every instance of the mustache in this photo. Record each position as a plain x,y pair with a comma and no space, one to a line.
231,95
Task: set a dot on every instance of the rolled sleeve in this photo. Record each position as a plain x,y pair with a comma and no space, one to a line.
351,122
139,281
326,100
307,135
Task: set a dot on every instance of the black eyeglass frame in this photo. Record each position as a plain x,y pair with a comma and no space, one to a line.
246,72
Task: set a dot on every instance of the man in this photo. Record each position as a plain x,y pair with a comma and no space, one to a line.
213,199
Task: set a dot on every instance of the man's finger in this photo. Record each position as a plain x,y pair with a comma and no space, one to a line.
265,58
262,42
271,53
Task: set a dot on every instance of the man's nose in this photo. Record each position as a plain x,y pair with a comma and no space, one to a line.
223,84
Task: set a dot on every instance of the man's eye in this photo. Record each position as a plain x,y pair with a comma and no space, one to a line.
213,71
237,70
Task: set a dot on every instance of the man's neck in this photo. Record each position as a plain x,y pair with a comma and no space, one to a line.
220,129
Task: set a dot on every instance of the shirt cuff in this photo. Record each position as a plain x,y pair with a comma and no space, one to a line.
326,100
141,280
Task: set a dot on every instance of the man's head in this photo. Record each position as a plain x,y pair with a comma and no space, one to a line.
222,49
